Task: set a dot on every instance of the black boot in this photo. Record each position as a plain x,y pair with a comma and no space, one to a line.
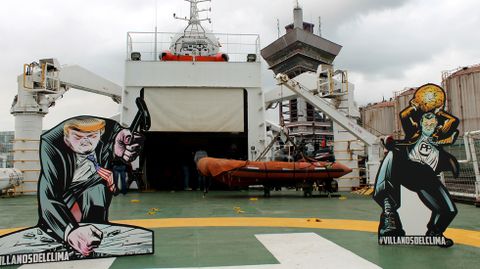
448,241
390,225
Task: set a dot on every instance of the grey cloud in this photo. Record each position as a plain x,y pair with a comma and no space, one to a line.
416,33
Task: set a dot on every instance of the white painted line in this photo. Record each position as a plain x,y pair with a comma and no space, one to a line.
101,263
309,250
304,251
263,266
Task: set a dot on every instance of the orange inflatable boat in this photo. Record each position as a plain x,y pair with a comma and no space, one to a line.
236,173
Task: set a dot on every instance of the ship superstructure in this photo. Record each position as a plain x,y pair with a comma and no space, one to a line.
308,59
195,103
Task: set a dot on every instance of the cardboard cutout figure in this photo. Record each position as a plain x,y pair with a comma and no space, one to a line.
74,193
415,163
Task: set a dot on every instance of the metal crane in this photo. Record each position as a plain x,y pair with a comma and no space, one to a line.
40,85
312,96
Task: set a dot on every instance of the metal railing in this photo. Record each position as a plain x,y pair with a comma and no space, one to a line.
150,45
467,186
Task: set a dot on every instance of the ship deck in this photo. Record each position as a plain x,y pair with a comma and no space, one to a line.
241,229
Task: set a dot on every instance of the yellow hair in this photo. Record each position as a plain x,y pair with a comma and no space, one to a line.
84,124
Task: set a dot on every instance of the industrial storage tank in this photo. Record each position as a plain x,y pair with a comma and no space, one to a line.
382,118
379,118
462,87
402,100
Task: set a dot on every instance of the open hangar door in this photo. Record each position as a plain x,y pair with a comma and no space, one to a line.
185,120
167,155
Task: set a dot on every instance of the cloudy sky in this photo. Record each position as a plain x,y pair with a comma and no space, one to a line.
387,45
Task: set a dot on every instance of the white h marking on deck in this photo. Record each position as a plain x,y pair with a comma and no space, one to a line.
292,250
304,251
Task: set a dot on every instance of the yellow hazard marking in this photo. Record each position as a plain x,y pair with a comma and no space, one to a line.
238,210
369,191
10,230
459,236
134,201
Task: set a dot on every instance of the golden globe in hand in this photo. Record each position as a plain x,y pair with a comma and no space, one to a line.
428,98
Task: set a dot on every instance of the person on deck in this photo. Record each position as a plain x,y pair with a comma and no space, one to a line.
202,180
120,176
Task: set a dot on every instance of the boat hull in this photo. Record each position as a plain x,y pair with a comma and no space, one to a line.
237,173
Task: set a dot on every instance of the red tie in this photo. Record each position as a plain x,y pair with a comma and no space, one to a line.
76,212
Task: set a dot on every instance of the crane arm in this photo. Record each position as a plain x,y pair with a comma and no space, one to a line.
372,142
337,116
77,77
278,94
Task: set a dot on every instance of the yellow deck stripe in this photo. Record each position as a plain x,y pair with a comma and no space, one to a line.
337,224
460,236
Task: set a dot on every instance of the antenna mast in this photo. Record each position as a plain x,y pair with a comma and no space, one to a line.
195,39
194,28
278,28
319,26
156,23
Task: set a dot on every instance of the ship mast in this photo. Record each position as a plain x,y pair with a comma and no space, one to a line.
194,27
195,41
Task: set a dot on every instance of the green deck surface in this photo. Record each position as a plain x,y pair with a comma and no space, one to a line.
212,246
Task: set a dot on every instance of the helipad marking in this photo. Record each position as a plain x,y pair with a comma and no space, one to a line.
336,224
310,250
82,264
460,236
304,250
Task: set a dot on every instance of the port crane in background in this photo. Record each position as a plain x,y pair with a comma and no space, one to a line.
325,93
39,87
